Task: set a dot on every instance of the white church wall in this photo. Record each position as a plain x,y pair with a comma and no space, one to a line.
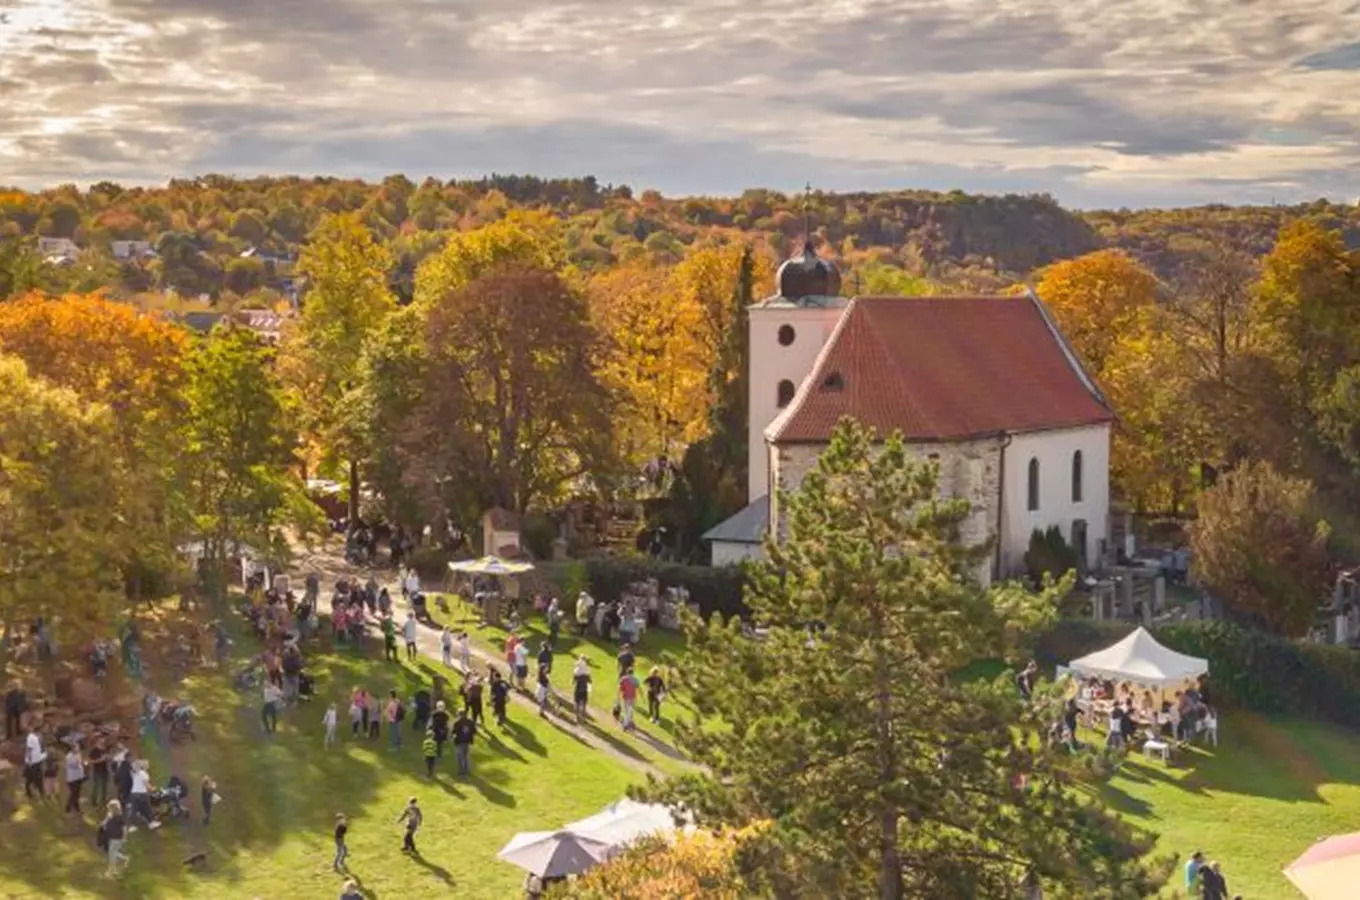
1054,452
772,362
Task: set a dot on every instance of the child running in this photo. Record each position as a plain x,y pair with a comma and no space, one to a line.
412,817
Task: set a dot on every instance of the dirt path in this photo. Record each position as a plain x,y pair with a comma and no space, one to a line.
331,566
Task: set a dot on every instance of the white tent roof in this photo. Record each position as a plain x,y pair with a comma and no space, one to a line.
1139,658
625,821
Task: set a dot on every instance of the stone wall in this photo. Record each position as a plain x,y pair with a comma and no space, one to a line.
970,470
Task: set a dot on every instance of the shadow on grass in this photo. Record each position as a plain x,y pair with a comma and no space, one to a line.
437,871
272,787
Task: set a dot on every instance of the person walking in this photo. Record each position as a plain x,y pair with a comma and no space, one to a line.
140,797
75,779
292,672
439,724
656,692
412,817
545,656
465,651
430,748
580,677
521,654
472,699
394,715
446,646
34,758
99,773
500,697
628,691
626,659
554,616
389,630
544,691
122,775
329,721
341,848
269,712
464,732
114,832
16,704
408,631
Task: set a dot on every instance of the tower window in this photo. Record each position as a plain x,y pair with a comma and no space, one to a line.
1076,477
786,335
786,391
1033,484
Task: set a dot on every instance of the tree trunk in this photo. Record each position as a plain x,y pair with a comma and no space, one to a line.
353,493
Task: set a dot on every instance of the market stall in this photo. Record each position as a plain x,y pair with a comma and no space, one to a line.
487,582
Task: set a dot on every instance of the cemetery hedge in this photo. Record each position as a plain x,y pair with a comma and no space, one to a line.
714,589
1247,667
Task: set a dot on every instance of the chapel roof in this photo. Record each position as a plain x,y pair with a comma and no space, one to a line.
943,368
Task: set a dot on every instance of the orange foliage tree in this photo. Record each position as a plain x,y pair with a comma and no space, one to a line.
112,354
704,864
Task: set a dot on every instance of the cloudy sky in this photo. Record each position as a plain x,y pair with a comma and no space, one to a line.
1099,102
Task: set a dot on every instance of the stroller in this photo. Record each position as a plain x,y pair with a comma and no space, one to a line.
420,606
171,801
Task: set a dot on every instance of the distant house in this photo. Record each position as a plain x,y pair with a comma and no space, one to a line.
57,246
125,250
266,323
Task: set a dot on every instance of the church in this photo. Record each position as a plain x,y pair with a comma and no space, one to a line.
986,386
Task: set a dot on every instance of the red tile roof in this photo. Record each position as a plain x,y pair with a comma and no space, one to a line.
939,368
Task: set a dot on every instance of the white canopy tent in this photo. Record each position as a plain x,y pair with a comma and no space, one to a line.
624,821
1139,659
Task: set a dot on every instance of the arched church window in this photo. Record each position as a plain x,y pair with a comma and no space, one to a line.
786,391
786,335
1033,484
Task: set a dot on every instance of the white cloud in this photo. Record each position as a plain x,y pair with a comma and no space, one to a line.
1098,103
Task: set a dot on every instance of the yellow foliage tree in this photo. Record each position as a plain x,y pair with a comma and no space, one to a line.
523,240
1095,299
60,495
651,361
703,864
110,353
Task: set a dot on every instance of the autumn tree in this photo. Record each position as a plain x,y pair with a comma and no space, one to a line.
703,864
390,389
512,411
60,495
1095,298
239,445
882,773
524,240
131,362
347,300
1260,548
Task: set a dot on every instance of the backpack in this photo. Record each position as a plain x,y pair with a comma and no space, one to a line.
401,712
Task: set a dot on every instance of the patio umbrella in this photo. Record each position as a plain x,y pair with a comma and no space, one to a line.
625,821
1329,870
554,854
490,565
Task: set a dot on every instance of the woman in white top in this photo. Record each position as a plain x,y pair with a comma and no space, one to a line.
75,780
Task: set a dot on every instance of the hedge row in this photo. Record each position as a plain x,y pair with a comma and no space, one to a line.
1248,668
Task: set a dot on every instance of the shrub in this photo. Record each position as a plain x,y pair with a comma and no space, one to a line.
713,589
1049,554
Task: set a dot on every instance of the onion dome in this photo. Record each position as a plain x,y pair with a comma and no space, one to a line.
808,275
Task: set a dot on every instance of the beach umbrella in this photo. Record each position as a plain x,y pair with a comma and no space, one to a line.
624,821
1328,870
554,854
490,565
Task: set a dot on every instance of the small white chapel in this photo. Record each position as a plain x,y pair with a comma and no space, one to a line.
987,386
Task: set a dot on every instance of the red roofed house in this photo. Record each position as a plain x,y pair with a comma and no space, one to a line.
988,386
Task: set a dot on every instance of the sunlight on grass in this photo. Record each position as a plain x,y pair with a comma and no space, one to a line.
272,835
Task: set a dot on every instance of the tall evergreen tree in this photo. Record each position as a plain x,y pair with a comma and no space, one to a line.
712,480
884,774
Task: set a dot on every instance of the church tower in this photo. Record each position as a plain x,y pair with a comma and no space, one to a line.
787,332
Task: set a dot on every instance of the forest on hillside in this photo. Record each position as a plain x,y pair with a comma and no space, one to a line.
219,235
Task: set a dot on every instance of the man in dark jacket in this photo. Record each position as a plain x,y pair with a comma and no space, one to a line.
16,704
464,731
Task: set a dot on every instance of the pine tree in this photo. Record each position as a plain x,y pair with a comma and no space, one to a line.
886,775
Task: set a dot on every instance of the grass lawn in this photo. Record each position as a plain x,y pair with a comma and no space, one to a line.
1269,791
271,838
603,659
